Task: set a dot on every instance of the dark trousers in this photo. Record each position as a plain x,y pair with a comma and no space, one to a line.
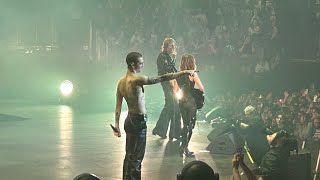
170,113
188,112
135,128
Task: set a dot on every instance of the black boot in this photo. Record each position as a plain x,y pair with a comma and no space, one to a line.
184,150
188,153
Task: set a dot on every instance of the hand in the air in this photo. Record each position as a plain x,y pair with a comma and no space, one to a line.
237,159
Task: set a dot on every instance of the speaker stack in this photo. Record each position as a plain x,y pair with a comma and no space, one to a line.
224,139
299,167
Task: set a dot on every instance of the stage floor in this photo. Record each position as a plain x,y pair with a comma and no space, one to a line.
56,142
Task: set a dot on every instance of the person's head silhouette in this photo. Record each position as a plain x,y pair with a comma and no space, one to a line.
197,170
86,176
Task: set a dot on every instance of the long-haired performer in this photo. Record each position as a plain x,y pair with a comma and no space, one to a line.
187,102
170,112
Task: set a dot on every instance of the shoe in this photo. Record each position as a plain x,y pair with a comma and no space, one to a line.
157,133
186,152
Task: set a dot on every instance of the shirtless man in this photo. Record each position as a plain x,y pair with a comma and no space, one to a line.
130,87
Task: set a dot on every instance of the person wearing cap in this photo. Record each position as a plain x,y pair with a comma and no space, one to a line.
253,129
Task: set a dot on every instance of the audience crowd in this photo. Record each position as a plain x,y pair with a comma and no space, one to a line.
296,112
223,35
227,34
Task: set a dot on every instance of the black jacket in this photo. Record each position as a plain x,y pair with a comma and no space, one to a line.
165,64
274,164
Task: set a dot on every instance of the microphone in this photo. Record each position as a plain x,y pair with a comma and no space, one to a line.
114,129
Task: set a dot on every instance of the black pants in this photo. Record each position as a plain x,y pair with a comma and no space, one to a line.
188,112
170,113
135,128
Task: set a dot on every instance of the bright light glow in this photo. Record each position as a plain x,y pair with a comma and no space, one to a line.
66,88
64,144
179,94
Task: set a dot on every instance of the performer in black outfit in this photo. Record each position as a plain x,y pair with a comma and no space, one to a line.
187,102
170,112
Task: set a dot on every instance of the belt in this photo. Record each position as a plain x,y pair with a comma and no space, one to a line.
137,115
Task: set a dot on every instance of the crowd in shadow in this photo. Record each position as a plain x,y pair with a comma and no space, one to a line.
223,35
294,111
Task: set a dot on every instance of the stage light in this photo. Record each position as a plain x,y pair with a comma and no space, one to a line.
66,88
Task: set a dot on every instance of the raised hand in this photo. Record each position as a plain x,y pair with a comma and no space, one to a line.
235,161
173,55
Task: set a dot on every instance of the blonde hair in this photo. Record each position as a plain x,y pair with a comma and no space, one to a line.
188,62
166,43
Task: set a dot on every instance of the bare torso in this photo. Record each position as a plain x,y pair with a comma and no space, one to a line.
133,94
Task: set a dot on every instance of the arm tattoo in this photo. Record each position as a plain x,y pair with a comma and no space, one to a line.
117,116
165,77
153,80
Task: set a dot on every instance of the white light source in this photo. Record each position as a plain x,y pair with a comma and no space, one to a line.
66,88
179,94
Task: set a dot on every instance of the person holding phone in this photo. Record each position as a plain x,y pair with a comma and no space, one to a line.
130,87
238,160
274,165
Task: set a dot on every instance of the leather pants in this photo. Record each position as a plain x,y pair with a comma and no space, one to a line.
188,113
135,128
